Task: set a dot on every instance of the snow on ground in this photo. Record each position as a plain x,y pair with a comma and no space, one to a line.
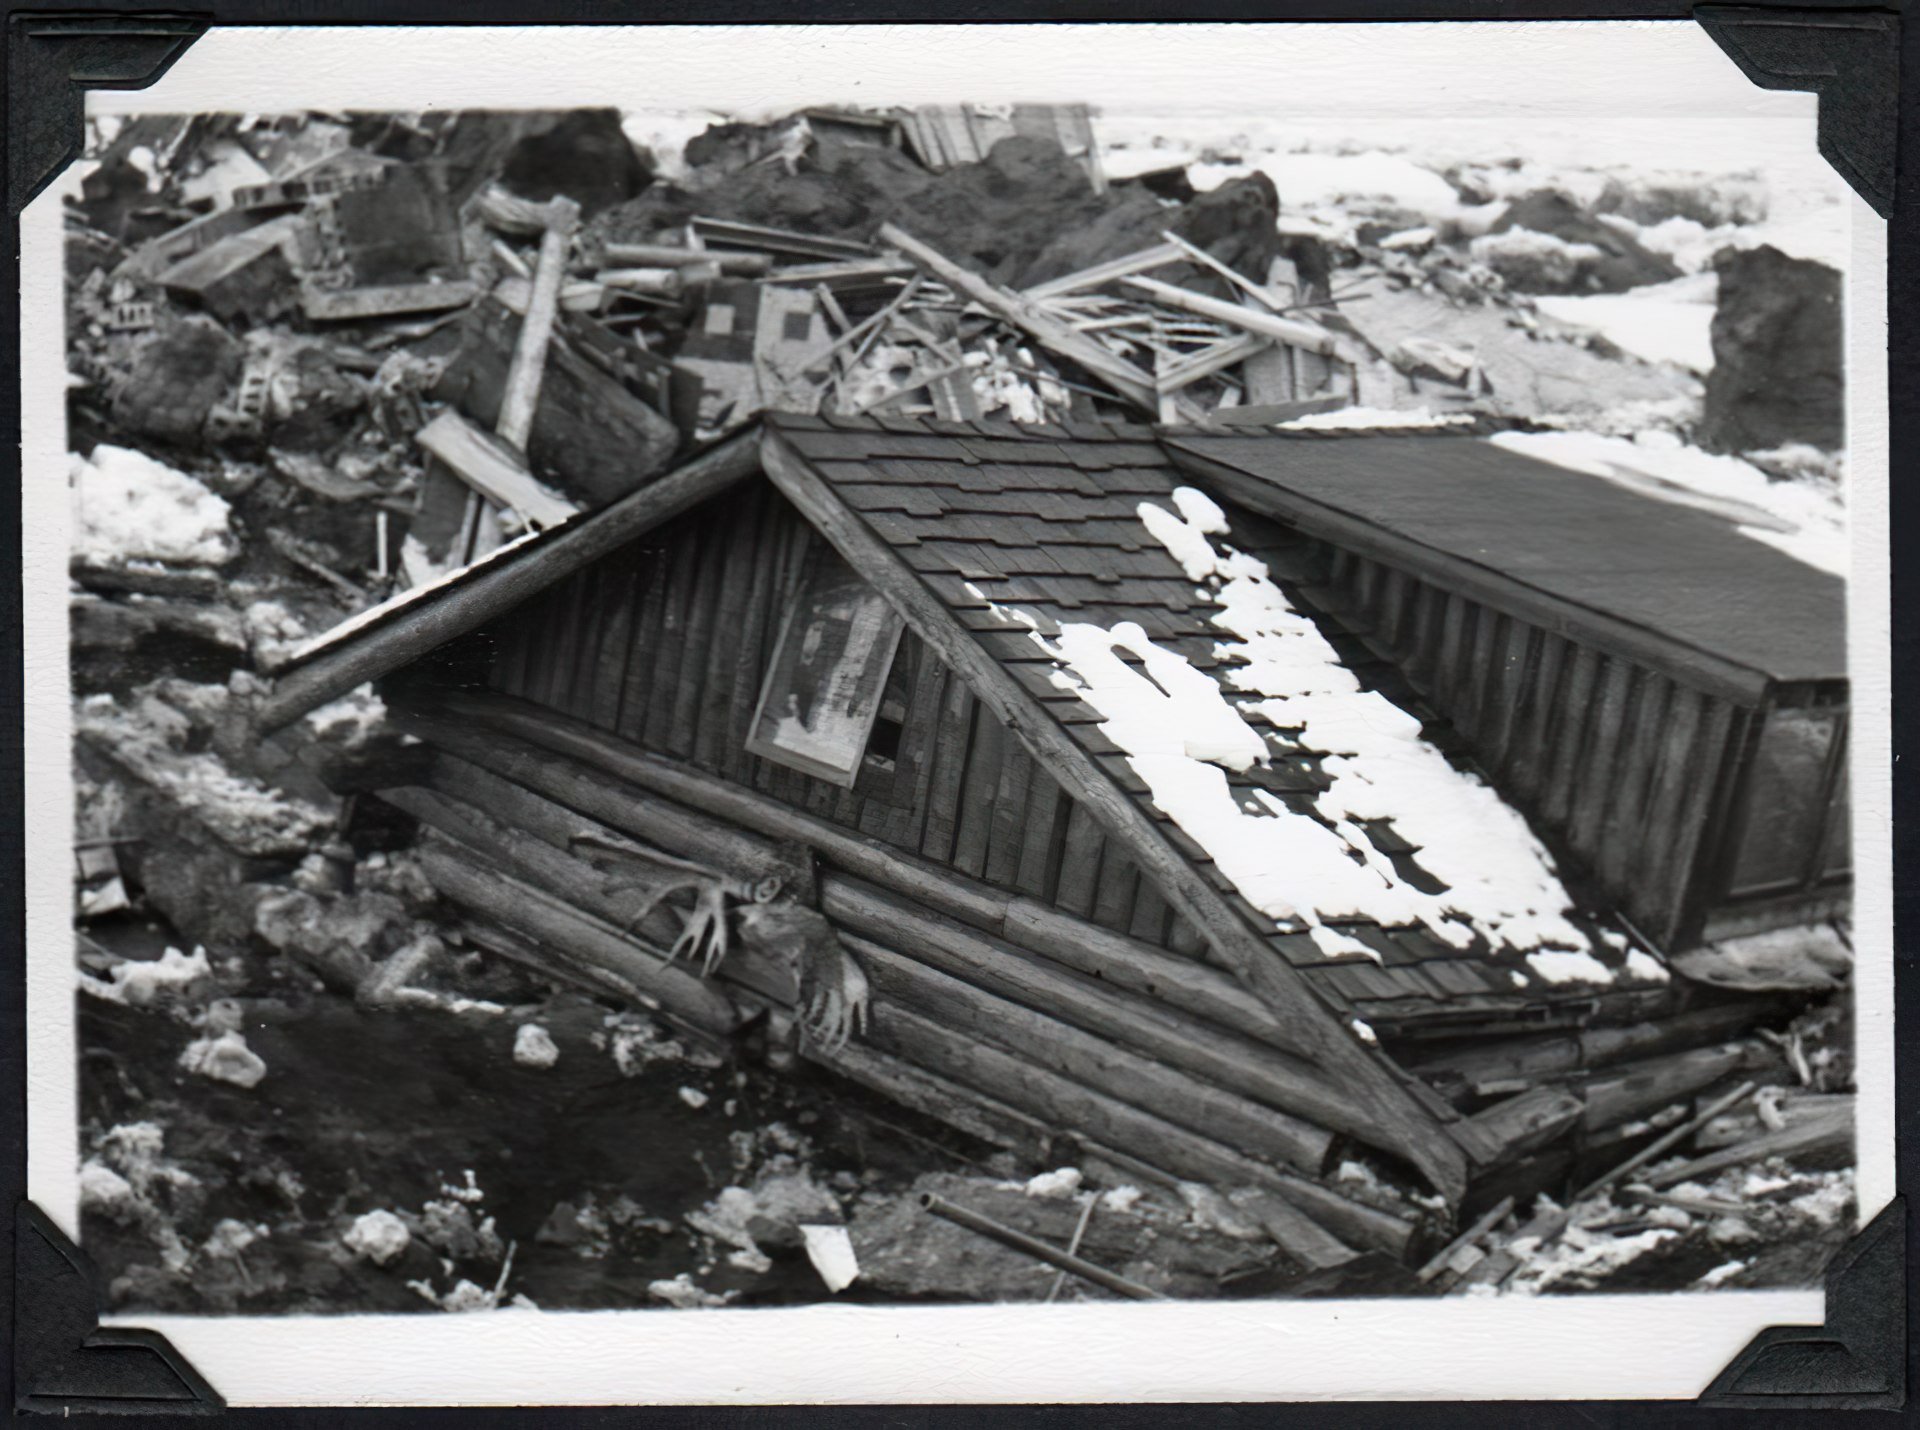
1664,322
1307,180
1806,519
128,507
1354,419
1182,735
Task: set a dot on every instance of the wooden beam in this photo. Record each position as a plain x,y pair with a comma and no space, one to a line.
1159,256
491,470
1509,1130
1293,333
1293,1231
1266,1075
1402,1124
907,973
526,910
1021,311
333,305
536,329
425,618
1829,1131
601,755
1187,1155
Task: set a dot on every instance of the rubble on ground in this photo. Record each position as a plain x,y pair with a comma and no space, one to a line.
305,376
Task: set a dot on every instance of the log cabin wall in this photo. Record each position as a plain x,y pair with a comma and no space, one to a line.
1616,763
666,644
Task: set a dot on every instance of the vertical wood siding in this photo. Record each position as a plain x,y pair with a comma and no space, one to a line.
1615,762
666,642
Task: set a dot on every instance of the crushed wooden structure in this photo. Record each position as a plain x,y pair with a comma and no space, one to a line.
785,668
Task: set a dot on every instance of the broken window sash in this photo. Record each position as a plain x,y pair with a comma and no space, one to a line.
824,690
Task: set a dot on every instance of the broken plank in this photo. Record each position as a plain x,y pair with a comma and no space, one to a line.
1292,1230
1290,331
1831,1130
337,305
1158,256
489,469
1027,315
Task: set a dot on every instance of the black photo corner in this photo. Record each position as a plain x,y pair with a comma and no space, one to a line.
63,1363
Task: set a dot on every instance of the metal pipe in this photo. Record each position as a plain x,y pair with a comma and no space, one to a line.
1033,1246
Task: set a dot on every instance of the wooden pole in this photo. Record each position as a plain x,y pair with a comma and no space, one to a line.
1287,330
1033,1246
1661,1144
1027,315
401,630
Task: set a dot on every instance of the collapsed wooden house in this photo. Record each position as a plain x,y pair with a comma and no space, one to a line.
1088,744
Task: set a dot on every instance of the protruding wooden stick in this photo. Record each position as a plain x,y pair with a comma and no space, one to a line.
1033,1246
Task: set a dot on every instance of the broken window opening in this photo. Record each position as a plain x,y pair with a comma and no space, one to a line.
828,687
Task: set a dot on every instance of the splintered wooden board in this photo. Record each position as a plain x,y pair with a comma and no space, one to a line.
490,470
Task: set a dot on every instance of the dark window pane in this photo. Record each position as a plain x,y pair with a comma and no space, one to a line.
1786,801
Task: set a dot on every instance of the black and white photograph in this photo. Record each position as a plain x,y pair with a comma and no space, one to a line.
729,706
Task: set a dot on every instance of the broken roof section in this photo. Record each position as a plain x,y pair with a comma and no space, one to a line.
1682,589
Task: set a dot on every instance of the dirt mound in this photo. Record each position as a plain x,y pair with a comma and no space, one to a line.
1617,260
996,215
585,156
1777,365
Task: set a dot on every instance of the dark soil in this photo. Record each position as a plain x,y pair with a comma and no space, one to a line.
366,1109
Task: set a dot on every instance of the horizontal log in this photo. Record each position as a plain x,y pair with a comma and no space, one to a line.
1831,1131
422,619
972,1112
1637,1089
574,936
1265,1074
1127,963
900,980
1509,1130
1293,1231
1527,1060
576,883
695,794
660,255
590,792
1065,1103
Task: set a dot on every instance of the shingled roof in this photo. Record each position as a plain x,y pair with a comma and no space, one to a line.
1042,526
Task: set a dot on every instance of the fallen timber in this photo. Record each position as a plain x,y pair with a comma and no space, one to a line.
1033,1246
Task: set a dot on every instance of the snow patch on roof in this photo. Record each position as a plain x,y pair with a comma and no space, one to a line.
1183,730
